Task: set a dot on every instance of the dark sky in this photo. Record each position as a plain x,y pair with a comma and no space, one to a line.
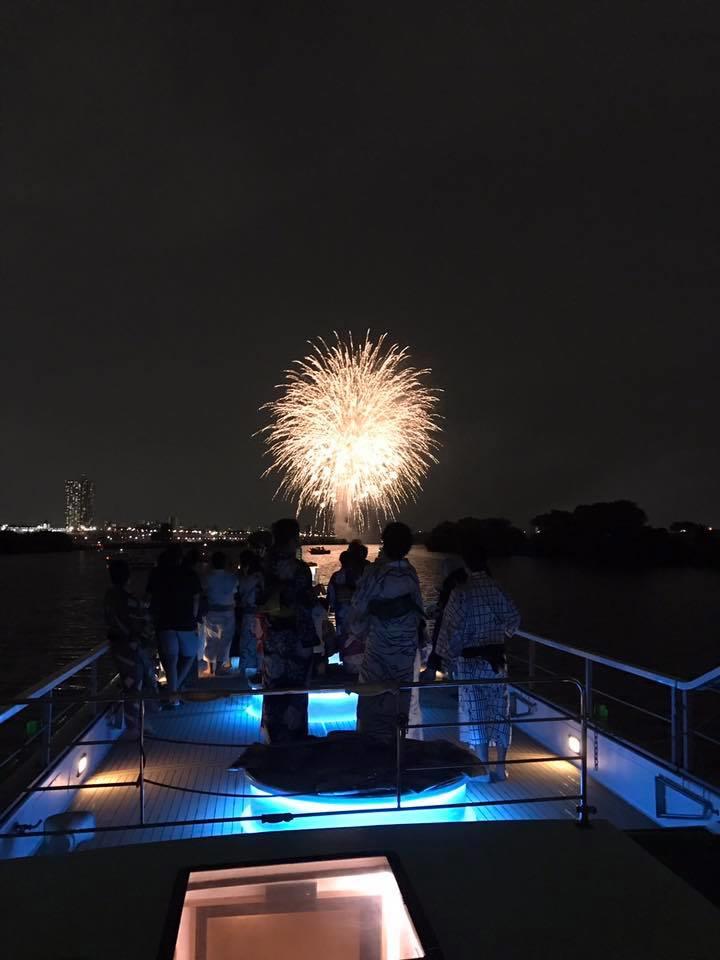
526,193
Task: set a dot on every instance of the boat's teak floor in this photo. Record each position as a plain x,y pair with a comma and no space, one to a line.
187,778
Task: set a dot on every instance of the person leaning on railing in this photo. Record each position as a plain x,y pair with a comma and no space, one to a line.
476,622
126,620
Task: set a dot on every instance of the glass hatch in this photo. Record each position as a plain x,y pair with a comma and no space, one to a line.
345,909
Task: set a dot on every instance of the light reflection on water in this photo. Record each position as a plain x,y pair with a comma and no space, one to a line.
52,609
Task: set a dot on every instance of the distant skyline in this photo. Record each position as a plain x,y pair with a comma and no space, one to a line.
273,514
525,195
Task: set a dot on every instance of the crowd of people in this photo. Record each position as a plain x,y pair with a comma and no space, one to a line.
264,619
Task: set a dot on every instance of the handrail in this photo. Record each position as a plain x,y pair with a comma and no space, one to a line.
39,690
667,680
395,688
700,681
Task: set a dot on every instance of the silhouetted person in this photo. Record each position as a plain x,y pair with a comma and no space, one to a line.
192,560
287,604
453,579
250,584
220,588
388,603
325,634
358,553
340,592
175,598
478,618
126,620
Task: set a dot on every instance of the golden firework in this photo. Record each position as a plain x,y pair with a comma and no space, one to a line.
353,431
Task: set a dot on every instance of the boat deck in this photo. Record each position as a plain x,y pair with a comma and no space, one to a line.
187,777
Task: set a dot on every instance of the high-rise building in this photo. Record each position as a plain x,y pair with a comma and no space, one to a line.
79,503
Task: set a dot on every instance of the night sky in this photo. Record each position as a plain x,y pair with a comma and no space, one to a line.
526,193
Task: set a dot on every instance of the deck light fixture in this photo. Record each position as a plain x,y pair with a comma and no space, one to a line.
574,743
82,765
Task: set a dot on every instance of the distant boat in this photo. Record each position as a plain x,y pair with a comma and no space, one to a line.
318,551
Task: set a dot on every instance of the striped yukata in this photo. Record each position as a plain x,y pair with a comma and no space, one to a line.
479,614
388,605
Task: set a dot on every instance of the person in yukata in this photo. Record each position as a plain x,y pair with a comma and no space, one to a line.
286,604
454,574
340,591
476,622
192,560
249,587
221,586
388,605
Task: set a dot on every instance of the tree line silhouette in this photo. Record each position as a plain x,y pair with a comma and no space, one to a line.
613,533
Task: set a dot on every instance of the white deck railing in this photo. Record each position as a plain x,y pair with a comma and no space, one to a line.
389,800
678,717
679,714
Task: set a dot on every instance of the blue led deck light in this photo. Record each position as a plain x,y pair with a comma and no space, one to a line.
334,707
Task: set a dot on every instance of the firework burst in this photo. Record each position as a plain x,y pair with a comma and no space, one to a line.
353,432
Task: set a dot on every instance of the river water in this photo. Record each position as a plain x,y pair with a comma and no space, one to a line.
664,619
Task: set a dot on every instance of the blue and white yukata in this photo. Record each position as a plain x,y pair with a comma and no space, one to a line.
479,615
388,606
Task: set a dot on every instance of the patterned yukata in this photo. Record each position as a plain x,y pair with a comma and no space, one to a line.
288,645
479,614
388,603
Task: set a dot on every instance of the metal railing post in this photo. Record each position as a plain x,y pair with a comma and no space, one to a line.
588,688
673,727
685,721
531,660
141,746
47,730
584,809
398,751
94,685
